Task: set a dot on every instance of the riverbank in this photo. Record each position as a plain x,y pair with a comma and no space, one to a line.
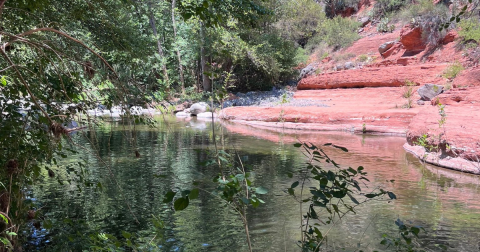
380,95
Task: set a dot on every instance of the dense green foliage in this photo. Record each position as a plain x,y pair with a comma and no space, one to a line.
336,33
469,30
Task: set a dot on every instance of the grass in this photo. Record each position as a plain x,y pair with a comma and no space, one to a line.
362,58
453,70
408,89
408,93
343,57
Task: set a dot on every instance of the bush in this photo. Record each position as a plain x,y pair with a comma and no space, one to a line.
453,70
362,58
384,27
337,33
301,56
336,7
383,8
298,20
469,30
429,17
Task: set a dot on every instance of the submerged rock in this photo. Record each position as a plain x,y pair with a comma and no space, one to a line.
182,114
206,115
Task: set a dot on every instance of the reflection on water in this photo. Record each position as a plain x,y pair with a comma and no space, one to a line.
442,201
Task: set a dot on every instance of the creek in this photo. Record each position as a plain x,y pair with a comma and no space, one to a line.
444,202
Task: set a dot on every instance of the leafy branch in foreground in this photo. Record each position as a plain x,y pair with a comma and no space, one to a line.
334,192
234,187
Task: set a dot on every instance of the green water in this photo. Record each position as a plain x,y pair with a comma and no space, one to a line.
443,202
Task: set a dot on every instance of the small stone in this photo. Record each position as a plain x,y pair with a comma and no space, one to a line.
421,102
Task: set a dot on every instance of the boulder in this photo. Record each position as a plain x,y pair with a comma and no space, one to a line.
385,46
411,38
339,67
199,107
428,91
364,21
308,70
449,37
349,65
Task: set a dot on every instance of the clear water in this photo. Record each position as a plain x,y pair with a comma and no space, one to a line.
444,202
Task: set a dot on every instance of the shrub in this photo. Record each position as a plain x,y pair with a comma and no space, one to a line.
301,56
469,30
337,32
336,7
384,7
453,70
343,57
362,58
408,89
298,20
429,17
384,27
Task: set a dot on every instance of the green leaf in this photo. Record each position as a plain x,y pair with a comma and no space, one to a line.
255,203
415,230
298,145
341,148
290,175
127,235
4,218
371,195
261,190
294,184
169,196
291,191
391,195
180,203
194,193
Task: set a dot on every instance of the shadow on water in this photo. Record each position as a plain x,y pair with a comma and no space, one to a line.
443,201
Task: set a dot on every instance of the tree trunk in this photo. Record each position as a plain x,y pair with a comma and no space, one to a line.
180,67
159,43
207,84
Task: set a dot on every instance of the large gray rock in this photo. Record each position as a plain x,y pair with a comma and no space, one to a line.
385,46
364,21
199,107
308,70
428,91
349,65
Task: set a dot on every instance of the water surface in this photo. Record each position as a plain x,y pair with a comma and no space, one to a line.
444,202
